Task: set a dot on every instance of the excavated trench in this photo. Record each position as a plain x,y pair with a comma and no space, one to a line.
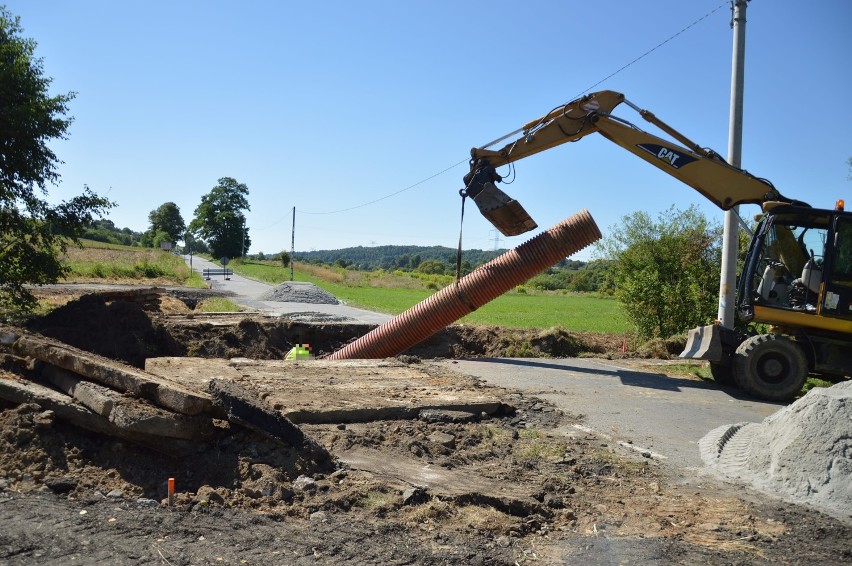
128,331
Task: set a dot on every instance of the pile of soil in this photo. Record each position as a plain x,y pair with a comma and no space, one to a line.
120,330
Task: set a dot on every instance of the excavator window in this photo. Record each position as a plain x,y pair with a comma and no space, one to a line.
842,271
790,270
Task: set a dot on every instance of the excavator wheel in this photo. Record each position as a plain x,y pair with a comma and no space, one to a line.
723,375
770,367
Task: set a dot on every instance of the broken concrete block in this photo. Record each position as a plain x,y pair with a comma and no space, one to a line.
444,439
130,415
64,407
145,419
7,337
114,374
95,397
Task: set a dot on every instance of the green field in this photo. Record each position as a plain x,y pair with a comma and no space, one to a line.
393,294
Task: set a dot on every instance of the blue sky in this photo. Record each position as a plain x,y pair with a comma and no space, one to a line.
329,105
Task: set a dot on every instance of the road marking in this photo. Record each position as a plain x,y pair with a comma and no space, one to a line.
628,445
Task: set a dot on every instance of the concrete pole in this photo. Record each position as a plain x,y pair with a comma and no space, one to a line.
292,243
730,238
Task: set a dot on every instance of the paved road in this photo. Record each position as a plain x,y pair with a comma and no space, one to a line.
248,292
647,412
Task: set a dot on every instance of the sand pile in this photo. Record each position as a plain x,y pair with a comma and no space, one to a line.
299,292
802,453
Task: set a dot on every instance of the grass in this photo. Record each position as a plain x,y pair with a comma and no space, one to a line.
218,304
102,261
533,447
387,292
395,292
812,382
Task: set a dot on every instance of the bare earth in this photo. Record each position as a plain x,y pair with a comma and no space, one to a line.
512,482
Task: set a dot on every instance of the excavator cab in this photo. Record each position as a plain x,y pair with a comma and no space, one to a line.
795,296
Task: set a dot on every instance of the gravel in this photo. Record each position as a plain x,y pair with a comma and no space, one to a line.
802,453
299,292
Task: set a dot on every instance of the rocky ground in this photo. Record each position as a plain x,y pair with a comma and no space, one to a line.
544,491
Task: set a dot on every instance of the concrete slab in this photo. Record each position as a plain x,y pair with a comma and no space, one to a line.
131,415
322,391
115,375
95,397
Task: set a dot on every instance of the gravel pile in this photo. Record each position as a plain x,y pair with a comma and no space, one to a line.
802,453
299,292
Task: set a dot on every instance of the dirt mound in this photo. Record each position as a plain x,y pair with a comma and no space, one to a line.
120,330
299,292
801,453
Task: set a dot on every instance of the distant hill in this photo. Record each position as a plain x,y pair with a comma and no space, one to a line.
394,257
399,257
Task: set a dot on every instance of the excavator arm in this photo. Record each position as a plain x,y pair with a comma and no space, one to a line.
702,169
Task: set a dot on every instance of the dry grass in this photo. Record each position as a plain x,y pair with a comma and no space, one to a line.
122,264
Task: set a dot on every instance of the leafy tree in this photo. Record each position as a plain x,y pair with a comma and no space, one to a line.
220,220
161,236
432,266
194,245
284,258
33,233
166,218
665,272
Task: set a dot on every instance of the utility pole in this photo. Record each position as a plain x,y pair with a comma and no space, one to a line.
730,237
292,243
243,248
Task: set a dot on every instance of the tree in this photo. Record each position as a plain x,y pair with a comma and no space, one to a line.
432,267
220,220
166,218
284,258
665,272
33,233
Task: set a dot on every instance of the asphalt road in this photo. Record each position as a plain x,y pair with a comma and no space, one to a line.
645,411
248,292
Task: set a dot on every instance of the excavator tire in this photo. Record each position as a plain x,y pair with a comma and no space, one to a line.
723,375
770,367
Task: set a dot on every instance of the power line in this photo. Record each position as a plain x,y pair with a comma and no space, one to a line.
392,194
634,61
704,17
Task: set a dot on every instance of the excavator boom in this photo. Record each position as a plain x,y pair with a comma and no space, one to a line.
702,169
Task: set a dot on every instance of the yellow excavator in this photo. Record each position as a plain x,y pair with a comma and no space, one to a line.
795,291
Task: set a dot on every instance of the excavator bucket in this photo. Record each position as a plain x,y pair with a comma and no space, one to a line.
505,213
703,343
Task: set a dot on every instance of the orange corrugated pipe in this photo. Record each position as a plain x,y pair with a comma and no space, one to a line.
479,287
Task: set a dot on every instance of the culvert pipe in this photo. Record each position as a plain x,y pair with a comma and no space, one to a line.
482,285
